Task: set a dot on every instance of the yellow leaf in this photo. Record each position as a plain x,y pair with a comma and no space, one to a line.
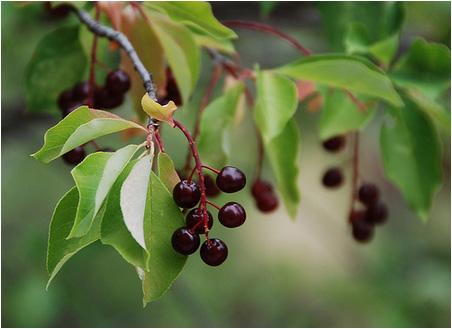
158,111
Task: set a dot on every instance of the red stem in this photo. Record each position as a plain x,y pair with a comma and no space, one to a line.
216,171
158,140
198,166
92,76
355,170
268,29
213,205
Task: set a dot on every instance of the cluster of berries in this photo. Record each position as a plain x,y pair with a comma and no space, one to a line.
264,196
117,83
375,212
333,177
187,195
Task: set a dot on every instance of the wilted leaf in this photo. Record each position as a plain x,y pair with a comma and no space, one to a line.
157,111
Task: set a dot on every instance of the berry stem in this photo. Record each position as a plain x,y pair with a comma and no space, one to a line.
158,140
198,166
92,69
191,174
213,205
355,169
270,30
216,171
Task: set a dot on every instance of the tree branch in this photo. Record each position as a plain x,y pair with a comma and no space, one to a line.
124,43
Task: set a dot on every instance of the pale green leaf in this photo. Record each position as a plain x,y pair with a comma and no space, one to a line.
276,103
94,178
181,51
57,64
79,127
163,217
424,68
158,111
217,118
350,72
283,151
340,115
411,153
114,231
167,172
59,248
196,14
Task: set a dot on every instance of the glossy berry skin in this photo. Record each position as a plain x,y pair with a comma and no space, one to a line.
362,231
65,99
232,215
186,194
214,252
195,216
185,242
377,214
267,202
261,187
211,188
333,177
231,179
368,194
334,144
117,82
75,156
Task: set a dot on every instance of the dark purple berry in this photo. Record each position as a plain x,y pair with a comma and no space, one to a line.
267,202
334,144
211,188
357,215
71,107
362,231
59,11
214,252
186,194
81,91
333,177
172,90
230,179
194,217
368,194
75,156
65,99
232,214
261,187
104,99
117,82
185,242
377,213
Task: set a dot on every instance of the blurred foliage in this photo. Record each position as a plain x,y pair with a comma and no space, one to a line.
279,273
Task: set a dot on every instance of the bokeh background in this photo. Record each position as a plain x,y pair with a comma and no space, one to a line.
279,273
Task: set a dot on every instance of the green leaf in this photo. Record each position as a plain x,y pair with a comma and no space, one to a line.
223,45
59,248
411,153
161,220
196,14
57,64
266,7
216,119
94,178
424,68
350,72
167,172
340,115
79,127
114,231
282,151
181,51
276,103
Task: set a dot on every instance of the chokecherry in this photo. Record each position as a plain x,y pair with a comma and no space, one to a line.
267,202
333,177
334,144
194,217
232,214
368,194
186,194
104,99
75,156
362,231
377,213
81,91
230,179
214,252
184,241
261,187
211,188
117,82
65,99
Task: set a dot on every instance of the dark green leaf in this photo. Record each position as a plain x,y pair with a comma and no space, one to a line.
217,117
57,64
411,153
282,151
79,127
350,72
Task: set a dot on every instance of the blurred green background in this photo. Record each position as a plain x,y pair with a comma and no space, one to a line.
279,273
